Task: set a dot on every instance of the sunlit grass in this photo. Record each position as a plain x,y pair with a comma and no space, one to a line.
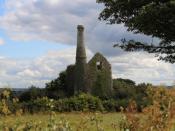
75,119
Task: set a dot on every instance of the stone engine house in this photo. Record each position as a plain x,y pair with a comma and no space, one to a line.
93,77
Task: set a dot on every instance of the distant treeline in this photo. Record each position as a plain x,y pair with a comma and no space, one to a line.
55,93
55,96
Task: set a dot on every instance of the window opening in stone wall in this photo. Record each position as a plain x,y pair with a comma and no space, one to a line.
99,65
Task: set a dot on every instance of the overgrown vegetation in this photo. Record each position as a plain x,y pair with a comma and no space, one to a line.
123,91
156,105
62,122
157,116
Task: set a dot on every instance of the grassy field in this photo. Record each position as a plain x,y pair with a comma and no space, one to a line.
83,122
77,122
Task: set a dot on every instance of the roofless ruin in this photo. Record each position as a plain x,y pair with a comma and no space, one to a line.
93,77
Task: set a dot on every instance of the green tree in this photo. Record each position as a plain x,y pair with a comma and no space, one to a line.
154,18
124,88
57,88
32,93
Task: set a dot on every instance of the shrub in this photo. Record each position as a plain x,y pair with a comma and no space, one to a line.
82,102
32,94
158,116
110,105
39,105
123,103
8,104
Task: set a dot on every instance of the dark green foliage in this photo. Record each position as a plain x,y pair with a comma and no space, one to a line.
32,93
57,88
55,96
141,96
82,102
155,18
127,82
165,50
126,90
100,79
70,80
100,88
123,88
111,105
123,91
123,103
38,105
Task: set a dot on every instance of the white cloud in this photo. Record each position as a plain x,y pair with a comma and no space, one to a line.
1,41
29,73
53,2
139,67
24,73
143,67
56,21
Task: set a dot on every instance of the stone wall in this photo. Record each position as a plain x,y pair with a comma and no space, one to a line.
70,80
99,76
94,77
80,78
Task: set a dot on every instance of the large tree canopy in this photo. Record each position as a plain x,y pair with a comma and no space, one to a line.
154,18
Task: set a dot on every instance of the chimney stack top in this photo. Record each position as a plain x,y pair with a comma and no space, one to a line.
80,27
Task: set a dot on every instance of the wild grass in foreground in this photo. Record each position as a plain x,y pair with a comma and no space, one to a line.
158,116
77,121
62,122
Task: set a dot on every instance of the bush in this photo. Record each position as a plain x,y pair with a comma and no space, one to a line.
32,94
8,104
82,102
39,105
123,103
110,105
57,88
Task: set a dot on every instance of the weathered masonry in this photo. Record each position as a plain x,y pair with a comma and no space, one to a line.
93,77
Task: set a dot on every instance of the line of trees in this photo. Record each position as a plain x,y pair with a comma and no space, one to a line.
124,90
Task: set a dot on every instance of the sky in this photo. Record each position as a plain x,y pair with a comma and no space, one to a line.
38,40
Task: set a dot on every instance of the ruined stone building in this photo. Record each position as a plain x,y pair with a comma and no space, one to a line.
93,77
